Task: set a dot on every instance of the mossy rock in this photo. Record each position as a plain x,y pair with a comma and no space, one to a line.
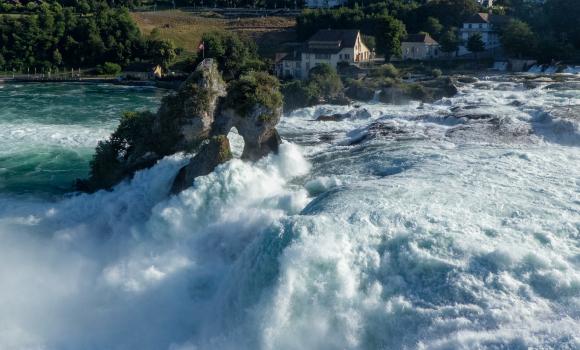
253,89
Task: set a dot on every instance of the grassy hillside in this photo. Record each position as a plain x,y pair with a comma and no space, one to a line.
185,29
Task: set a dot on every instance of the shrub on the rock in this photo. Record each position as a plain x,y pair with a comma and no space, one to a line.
253,89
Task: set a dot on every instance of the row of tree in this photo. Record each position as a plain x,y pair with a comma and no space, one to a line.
545,31
56,36
79,6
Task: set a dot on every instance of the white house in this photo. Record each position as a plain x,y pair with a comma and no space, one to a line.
326,46
487,25
419,47
317,4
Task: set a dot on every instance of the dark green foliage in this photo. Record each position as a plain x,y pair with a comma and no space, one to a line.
369,41
58,37
80,6
132,137
475,44
109,68
563,18
298,94
385,71
433,27
323,84
449,41
76,34
234,54
389,32
254,89
325,81
436,73
518,39
555,24
450,13
160,51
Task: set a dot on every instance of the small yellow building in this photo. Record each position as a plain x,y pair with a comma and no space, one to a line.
158,72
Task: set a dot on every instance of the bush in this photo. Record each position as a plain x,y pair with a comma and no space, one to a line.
386,71
323,84
254,88
436,73
297,95
387,82
161,51
109,68
325,80
233,52
417,92
132,137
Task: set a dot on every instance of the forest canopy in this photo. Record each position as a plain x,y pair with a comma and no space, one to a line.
56,36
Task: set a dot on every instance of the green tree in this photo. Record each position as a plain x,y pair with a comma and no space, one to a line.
475,44
233,53
325,80
389,32
449,42
449,12
563,19
109,68
433,27
161,52
518,39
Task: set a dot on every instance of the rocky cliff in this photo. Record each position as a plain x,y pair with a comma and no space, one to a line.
195,119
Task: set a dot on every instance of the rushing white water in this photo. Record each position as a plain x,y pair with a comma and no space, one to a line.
442,226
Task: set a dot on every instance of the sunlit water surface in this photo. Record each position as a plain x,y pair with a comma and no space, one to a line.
453,225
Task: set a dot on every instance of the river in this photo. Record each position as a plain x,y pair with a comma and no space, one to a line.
452,225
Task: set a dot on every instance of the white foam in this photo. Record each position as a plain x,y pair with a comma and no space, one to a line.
427,242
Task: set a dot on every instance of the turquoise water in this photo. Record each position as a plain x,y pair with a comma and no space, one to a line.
48,132
408,227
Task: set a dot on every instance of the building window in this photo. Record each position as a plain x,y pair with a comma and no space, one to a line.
469,26
322,56
480,26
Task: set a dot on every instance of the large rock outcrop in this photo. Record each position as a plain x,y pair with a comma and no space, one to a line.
197,118
186,117
211,154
